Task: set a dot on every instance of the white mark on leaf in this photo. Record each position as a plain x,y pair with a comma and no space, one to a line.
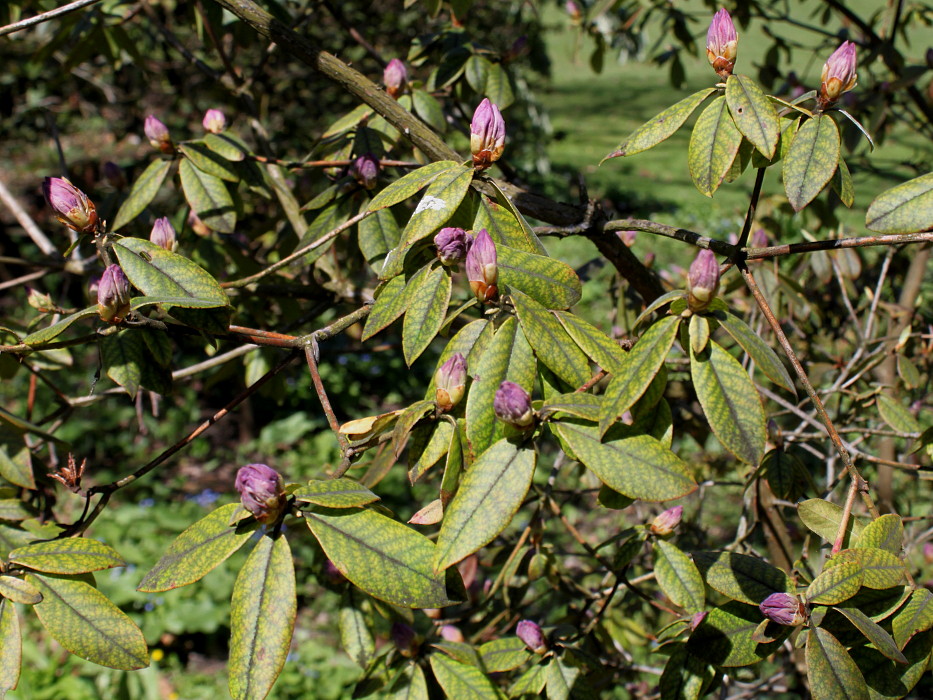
430,202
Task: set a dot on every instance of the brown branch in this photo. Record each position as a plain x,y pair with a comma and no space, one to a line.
46,16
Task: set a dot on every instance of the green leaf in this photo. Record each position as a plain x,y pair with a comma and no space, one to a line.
528,240
579,404
835,585
725,637
763,356
470,341
476,71
381,556
832,673
14,509
842,184
742,577
886,532
678,577
426,309
531,682
598,346
49,333
410,184
123,358
880,568
410,684
490,493
698,332
641,365
144,191
504,226
71,555
561,678
11,647
157,272
17,590
637,466
550,342
753,113
823,518
461,680
903,209
355,636
661,127
208,196
786,474
667,298
898,416
207,161
227,146
335,493
913,618
436,447
497,88
406,421
714,144
391,301
429,109
888,680
684,677
348,120
730,402
197,550
378,234
550,282
873,632
811,160
87,624
262,616
504,654
508,357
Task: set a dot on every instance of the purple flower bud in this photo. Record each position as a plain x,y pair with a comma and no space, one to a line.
406,641
512,405
261,491
163,234
113,295
451,633
782,608
722,43
482,268
702,280
530,633
487,135
572,9
450,382
214,121
667,522
838,74
395,77
114,174
158,135
928,552
453,244
72,207
758,239
365,170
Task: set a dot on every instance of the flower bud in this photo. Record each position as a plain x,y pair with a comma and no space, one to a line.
72,207
405,639
722,43
450,382
395,77
512,405
113,295
838,74
782,608
451,633
158,135
214,121
702,280
572,9
365,170
487,135
163,234
530,633
114,174
667,522
453,244
482,268
261,491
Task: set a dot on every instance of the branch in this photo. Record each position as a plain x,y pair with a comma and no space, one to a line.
46,16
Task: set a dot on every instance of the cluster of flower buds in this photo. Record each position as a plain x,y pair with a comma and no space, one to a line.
487,135
365,170
532,635
512,405
839,74
482,267
113,295
163,234
702,280
158,135
72,207
214,121
452,244
783,609
450,382
722,42
261,491
395,77
665,523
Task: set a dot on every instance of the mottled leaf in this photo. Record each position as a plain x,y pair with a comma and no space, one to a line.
832,673
725,637
886,532
880,639
913,618
335,493
437,446
753,113
208,161
823,518
71,555
764,357
897,415
426,308
550,282
49,333
208,196
11,647
144,191
378,234
714,144
355,635
598,346
391,301
123,357
906,208
461,680
835,584
678,577
410,184
742,577
504,654
660,127
880,568
19,591
157,272
889,680
811,160
550,342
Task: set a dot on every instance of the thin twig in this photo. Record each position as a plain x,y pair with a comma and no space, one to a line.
29,226
46,16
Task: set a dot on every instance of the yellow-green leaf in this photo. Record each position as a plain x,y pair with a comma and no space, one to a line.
378,234
335,493
832,673
898,416
208,196
835,584
886,532
880,568
207,161
49,333
842,184
391,301
753,113
355,636
823,518
71,555
504,654
742,577
426,308
764,357
461,680
11,647
600,348
874,633
889,680
714,144
913,618
157,272
144,191
678,577
550,282
17,590
410,184
437,446
903,209
811,160
550,342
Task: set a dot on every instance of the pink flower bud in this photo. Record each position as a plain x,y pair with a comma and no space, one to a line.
163,234
214,121
113,295
395,77
697,619
722,43
667,522
406,641
261,491
487,135
365,170
782,608
572,9
453,244
838,74
451,633
512,405
702,280
482,268
450,382
72,207
533,636
158,135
